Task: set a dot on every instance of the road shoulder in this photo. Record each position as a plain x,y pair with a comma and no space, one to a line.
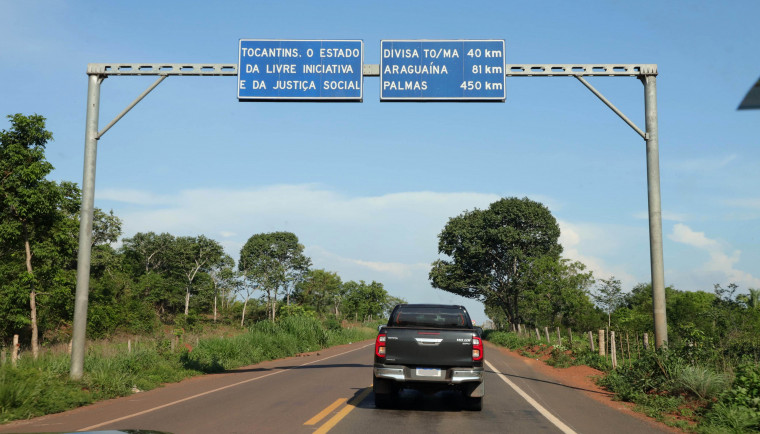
580,378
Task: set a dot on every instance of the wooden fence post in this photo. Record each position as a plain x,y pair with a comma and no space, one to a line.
628,345
129,346
546,331
591,341
14,351
570,336
601,343
646,341
538,335
613,350
559,338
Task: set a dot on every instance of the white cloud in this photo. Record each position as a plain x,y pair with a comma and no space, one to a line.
683,234
721,265
588,243
394,269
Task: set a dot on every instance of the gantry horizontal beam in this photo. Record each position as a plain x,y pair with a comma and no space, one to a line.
587,70
105,69
373,70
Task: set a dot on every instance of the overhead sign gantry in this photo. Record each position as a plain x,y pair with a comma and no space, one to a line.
333,70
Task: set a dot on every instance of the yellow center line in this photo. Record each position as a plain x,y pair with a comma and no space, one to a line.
326,411
343,412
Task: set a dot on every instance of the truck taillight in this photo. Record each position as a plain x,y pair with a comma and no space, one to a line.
477,348
380,345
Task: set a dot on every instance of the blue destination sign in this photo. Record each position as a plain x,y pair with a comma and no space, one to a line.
300,70
450,70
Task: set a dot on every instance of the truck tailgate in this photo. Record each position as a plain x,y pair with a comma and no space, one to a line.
428,347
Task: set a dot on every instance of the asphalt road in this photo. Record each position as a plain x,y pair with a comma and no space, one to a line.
330,391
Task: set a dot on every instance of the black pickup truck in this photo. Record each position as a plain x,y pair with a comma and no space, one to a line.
428,347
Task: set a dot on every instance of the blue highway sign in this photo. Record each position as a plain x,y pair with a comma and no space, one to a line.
442,70
300,70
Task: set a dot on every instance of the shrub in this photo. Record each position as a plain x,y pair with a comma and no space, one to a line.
591,358
730,419
507,339
559,358
745,390
700,381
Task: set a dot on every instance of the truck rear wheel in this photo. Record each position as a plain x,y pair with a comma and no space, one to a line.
474,404
385,392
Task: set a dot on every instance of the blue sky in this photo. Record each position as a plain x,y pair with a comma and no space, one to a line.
368,186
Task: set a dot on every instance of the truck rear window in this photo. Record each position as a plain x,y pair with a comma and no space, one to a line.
430,317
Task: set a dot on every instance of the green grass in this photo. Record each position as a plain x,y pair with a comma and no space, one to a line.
39,387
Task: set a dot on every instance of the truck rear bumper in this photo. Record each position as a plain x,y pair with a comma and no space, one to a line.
410,374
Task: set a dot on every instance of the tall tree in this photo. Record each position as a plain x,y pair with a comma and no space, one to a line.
364,300
556,293
150,258
488,249
318,289
224,279
28,202
609,296
194,254
751,300
272,261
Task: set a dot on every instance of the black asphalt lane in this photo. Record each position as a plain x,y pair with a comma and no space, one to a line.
444,412
280,396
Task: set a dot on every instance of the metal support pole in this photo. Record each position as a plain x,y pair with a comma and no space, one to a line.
655,212
85,227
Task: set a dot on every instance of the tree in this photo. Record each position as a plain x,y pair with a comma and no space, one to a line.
272,261
609,296
364,300
224,279
556,293
751,300
151,261
488,251
194,254
319,289
28,202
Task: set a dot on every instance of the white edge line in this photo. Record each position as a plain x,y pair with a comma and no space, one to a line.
553,419
91,427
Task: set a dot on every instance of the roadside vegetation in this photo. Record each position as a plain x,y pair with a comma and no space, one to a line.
508,256
156,300
36,387
706,380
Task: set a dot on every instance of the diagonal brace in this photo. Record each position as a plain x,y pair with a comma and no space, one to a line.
614,109
129,107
